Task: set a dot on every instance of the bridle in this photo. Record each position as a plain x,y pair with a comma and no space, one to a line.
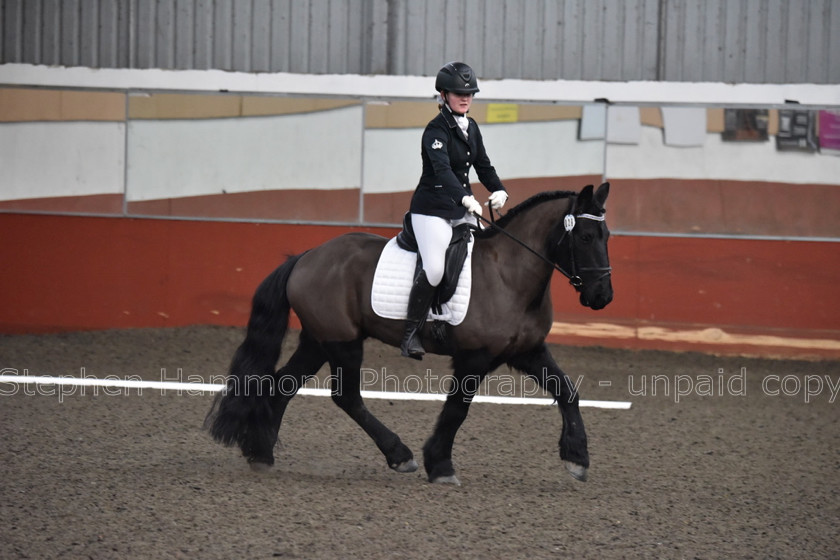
569,222
569,226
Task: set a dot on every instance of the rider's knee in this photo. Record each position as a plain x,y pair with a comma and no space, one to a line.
434,272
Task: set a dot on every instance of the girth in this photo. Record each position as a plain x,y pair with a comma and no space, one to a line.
456,254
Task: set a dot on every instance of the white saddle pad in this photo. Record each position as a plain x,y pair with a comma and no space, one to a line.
393,279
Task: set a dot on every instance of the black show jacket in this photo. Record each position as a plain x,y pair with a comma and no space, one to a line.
447,158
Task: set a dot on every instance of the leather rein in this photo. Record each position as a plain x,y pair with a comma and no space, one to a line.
569,222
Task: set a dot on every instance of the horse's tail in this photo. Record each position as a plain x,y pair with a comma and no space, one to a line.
242,414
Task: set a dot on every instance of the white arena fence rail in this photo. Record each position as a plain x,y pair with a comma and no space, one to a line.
195,389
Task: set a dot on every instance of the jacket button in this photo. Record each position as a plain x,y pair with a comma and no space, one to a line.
468,153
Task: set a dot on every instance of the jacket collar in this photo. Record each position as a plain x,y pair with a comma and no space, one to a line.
449,118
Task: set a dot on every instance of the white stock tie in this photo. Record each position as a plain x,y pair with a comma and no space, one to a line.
463,124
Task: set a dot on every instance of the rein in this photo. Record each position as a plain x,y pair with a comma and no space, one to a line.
568,225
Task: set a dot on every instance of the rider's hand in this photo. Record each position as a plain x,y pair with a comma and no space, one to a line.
472,205
497,199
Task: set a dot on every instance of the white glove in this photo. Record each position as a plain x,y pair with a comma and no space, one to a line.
472,205
497,199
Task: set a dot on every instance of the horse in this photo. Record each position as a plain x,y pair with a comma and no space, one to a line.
329,288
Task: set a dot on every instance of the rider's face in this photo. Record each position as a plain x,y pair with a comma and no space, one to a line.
459,102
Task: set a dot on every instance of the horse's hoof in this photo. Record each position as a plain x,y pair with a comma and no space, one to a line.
451,479
577,471
258,467
406,466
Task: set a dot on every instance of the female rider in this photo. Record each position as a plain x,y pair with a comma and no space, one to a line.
451,145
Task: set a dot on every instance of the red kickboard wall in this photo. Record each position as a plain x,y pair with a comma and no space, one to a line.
76,273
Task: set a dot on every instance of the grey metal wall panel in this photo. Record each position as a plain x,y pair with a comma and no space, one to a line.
280,27
757,41
571,40
261,36
375,52
143,32
824,45
88,28
613,37
335,34
51,32
10,39
298,36
533,38
776,41
646,43
591,46
164,33
831,44
513,35
550,35
473,34
496,40
221,33
185,24
69,33
356,50
110,32
240,35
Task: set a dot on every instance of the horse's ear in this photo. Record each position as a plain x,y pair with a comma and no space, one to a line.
585,197
601,195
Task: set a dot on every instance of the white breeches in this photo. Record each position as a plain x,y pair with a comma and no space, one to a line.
433,235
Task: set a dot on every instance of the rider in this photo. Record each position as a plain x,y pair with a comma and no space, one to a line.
443,198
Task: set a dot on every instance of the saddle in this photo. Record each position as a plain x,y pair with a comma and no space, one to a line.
456,255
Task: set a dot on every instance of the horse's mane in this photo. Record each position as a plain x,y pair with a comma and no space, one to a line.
521,208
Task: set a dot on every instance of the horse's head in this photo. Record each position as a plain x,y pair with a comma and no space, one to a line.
581,247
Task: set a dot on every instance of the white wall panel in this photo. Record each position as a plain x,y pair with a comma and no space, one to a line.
517,150
50,159
542,149
716,159
392,174
190,157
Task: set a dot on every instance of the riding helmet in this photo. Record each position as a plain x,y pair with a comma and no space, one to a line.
456,77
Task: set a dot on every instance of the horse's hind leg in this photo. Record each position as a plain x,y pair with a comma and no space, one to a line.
304,363
469,371
345,361
540,365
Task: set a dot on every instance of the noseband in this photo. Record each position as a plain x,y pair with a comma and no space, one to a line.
568,225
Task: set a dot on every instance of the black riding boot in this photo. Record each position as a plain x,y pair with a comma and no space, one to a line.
419,302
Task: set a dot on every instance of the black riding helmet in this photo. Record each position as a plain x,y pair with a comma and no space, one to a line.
456,77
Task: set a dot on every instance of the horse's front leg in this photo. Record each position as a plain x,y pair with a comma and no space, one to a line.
540,365
469,370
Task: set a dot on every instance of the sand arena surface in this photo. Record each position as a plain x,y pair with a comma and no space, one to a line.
726,460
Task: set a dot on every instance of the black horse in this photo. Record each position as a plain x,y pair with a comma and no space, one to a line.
329,287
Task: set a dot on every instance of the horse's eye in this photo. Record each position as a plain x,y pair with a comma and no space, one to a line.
586,237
